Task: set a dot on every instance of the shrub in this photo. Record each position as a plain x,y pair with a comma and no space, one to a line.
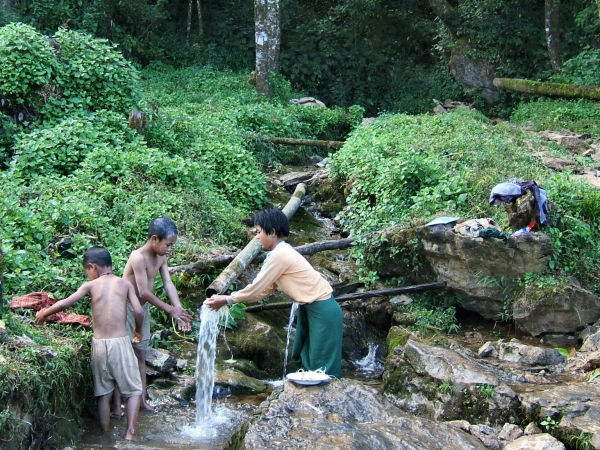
405,169
581,69
579,116
27,61
59,149
92,73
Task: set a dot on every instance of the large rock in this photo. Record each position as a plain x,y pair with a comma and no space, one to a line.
542,441
443,384
558,308
575,406
483,270
259,341
345,414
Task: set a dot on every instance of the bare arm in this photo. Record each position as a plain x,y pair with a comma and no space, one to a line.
138,312
41,315
179,313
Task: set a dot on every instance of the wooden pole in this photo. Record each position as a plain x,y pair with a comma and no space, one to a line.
294,141
245,257
357,295
206,264
549,89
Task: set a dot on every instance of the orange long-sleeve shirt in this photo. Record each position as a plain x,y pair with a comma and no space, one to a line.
287,269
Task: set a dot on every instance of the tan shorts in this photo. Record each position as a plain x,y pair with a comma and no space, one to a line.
143,344
115,364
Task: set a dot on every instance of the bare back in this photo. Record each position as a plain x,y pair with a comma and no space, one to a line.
109,301
141,270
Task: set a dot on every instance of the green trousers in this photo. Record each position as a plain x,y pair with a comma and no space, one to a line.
318,341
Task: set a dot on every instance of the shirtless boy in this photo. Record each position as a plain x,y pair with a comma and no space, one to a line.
113,361
141,270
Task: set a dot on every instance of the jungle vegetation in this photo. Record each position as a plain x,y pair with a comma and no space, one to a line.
73,171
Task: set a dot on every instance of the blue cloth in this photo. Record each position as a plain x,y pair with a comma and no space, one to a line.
510,190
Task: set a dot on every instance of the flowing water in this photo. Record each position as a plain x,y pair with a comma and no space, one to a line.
293,310
369,365
205,372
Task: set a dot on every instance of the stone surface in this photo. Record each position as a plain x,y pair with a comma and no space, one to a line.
542,441
577,403
346,414
560,309
591,343
517,352
160,359
510,432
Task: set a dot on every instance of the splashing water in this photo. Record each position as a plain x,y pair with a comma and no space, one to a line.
205,360
289,332
369,364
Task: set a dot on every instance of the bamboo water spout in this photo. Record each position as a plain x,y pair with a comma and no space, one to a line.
245,257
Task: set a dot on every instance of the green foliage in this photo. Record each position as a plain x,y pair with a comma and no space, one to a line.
49,380
579,116
446,388
549,424
236,312
582,69
594,375
26,61
486,390
582,441
80,74
402,170
7,132
93,73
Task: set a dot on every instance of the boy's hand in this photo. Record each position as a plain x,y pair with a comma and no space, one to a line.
184,319
137,337
40,317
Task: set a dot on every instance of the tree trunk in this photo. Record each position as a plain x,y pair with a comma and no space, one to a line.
467,71
550,89
294,141
200,25
189,21
267,41
245,257
204,265
552,21
1,280
359,295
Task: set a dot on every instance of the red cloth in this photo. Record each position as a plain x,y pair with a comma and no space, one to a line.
41,300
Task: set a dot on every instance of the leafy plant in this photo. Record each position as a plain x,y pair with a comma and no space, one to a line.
549,424
582,441
486,390
236,312
27,61
446,388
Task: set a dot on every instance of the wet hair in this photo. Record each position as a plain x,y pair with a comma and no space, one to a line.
163,228
273,220
97,255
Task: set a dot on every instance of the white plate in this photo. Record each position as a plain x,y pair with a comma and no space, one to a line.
308,378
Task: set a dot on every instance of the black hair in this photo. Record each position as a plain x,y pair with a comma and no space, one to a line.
163,228
273,220
97,255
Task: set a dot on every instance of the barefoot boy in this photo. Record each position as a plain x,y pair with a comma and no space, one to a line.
141,270
113,360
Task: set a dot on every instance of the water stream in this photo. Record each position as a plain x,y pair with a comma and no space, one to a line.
293,310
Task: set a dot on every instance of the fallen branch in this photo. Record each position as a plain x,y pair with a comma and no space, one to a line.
357,295
294,141
207,264
245,257
550,89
